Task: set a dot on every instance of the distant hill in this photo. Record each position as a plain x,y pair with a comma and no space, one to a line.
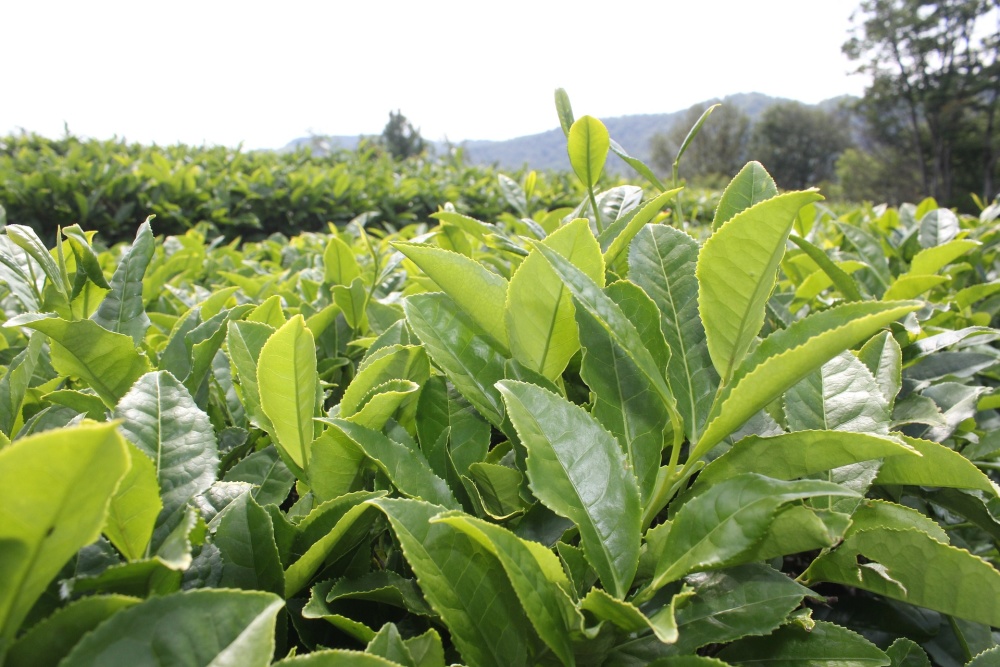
547,150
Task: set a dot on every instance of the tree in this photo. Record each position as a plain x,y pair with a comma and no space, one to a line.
400,138
799,144
719,149
935,81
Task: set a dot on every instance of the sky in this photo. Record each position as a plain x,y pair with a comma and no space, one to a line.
261,74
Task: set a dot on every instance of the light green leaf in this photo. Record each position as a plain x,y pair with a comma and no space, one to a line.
537,577
134,507
539,308
794,455
736,272
464,584
353,302
578,470
108,362
787,356
395,362
909,565
718,527
479,292
49,641
86,258
749,187
638,220
639,166
909,287
662,262
199,627
14,385
970,295
269,312
245,340
588,143
54,493
931,260
937,466
287,378
340,267
122,309
733,603
794,646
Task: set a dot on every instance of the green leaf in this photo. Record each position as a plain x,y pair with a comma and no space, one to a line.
353,301
336,533
734,603
909,565
737,268
937,466
199,627
288,380
931,260
86,258
793,645
471,359
270,476
14,385
630,618
578,470
588,143
159,417
662,262
906,653
988,658
844,282
869,251
479,292
464,584
937,227
134,507
498,488
407,469
624,402
336,658
122,309
537,577
54,493
841,395
718,527
245,538
395,362
108,362
49,641
884,358
638,165
638,220
26,239
245,340
340,267
794,455
749,187
787,356
539,308
909,287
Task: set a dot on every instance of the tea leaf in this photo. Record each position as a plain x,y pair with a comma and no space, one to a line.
123,309
749,187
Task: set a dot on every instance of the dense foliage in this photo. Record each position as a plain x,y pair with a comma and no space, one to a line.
591,436
106,185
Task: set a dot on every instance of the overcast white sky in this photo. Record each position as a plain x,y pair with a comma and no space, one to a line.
264,73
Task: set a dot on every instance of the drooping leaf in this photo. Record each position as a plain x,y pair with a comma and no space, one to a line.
718,527
54,493
199,627
479,292
749,187
734,603
287,380
109,362
662,262
464,583
793,645
736,272
577,469
539,308
844,282
123,310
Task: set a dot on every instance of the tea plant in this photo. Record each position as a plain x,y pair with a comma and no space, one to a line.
568,436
